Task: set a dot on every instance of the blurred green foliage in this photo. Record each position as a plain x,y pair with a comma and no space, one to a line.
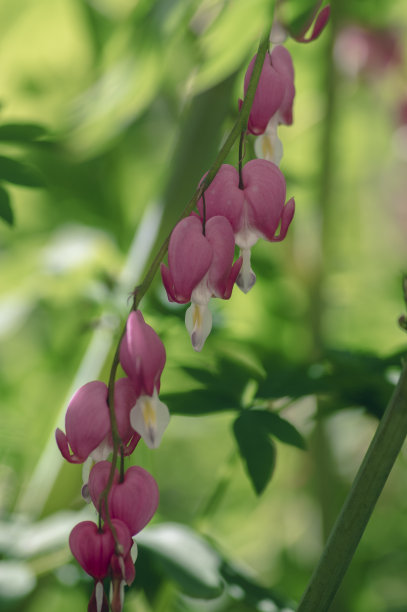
113,110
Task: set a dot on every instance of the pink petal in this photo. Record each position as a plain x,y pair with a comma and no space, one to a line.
142,354
98,478
319,25
123,568
234,273
219,234
223,197
62,442
265,191
125,397
92,548
135,500
168,283
286,218
268,97
87,420
189,257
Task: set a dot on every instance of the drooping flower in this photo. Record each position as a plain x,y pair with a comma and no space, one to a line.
133,501
273,102
200,266
87,422
142,356
319,19
94,549
255,211
275,90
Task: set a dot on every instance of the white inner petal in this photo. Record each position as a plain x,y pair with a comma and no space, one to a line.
198,321
150,417
246,277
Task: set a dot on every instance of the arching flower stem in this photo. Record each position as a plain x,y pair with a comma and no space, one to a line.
238,129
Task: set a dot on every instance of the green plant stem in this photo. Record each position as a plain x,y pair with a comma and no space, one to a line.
239,127
359,505
139,292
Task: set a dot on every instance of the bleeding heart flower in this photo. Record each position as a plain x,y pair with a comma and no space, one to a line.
87,422
321,19
95,549
275,91
142,356
133,501
255,211
200,266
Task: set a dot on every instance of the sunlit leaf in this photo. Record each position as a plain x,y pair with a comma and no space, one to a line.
19,173
185,558
6,212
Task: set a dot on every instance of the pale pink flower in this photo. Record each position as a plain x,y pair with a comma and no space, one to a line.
255,211
200,266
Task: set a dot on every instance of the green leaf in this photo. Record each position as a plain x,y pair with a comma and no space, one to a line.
6,212
278,427
251,592
185,557
198,401
19,173
22,132
256,449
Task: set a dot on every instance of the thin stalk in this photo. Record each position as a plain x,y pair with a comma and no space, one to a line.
359,505
241,155
139,292
239,127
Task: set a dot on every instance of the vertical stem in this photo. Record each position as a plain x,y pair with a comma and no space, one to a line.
203,214
359,505
241,143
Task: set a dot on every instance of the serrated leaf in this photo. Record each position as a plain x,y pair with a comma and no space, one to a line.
278,427
256,448
6,212
21,132
186,558
19,173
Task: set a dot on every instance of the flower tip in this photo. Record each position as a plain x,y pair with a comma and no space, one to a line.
246,281
198,321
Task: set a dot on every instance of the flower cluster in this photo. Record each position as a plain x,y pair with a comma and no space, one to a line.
234,211
125,502
239,206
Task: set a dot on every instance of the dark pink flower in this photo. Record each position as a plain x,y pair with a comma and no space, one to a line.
275,91
93,548
87,422
200,266
142,356
133,501
96,552
254,212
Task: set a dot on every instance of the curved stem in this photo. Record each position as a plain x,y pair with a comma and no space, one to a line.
239,127
359,505
139,292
